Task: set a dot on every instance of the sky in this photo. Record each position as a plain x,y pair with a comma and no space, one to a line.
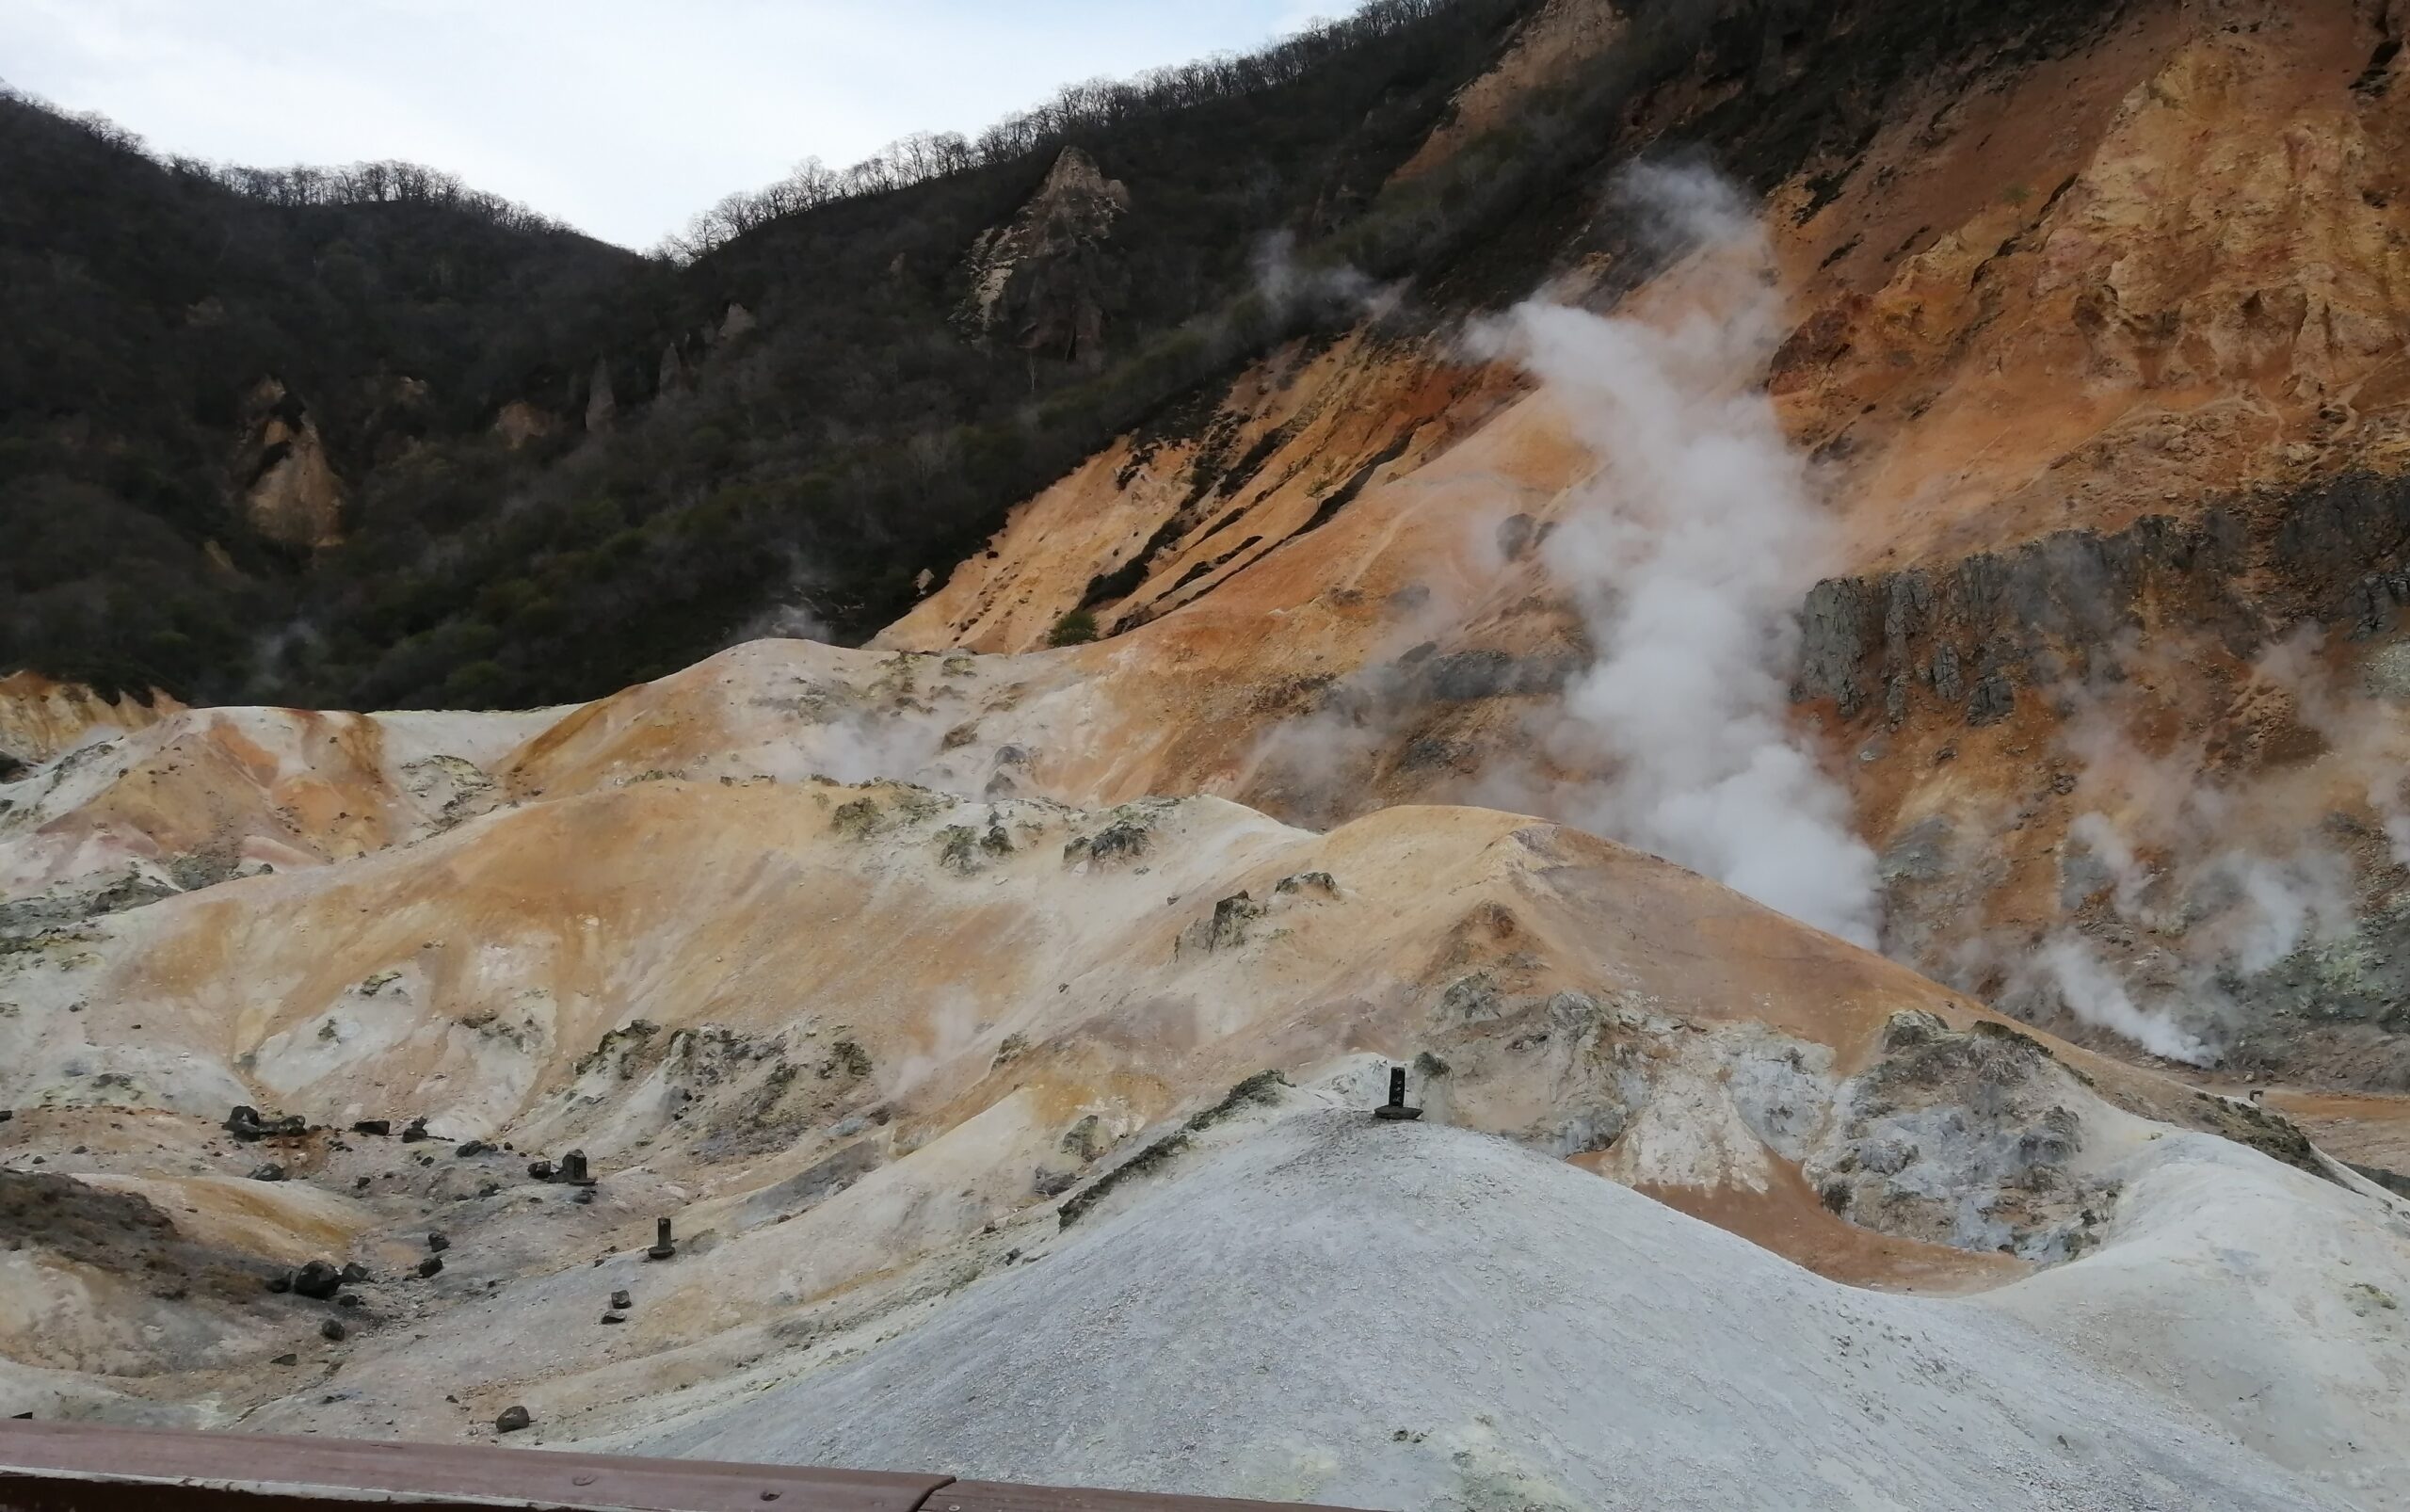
622,117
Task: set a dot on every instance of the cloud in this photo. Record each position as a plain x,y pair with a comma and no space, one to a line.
622,117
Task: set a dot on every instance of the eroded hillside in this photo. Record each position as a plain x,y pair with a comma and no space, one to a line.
1849,742
910,1066
2091,350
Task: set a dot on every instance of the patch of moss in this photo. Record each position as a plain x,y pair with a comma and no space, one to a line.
845,1058
856,820
1125,837
1262,1087
2264,1130
958,848
1154,1155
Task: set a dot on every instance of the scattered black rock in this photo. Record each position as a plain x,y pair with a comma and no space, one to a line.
5,1113
269,1172
512,1420
286,1360
354,1272
246,1124
428,1267
349,1300
474,1147
414,1131
438,1243
331,1331
620,1301
360,1183
541,1170
317,1280
373,1126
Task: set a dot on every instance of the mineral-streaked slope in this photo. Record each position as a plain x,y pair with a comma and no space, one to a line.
1384,1316
905,1064
2097,348
934,990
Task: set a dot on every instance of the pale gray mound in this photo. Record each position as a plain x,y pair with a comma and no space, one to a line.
1412,1317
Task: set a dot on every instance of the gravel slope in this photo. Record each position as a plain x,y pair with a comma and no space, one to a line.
1422,1317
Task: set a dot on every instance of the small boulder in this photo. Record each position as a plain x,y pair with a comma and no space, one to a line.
430,1266
246,1124
1910,1027
438,1243
348,1300
620,1301
414,1131
512,1420
331,1332
354,1272
286,1360
474,1147
373,1126
317,1280
539,1170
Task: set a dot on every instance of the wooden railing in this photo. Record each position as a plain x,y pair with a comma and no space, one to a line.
74,1466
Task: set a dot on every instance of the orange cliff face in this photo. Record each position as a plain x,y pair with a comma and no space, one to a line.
2151,284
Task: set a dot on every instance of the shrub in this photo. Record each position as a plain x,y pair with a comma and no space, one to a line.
1074,629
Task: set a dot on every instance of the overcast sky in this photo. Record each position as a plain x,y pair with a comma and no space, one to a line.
622,117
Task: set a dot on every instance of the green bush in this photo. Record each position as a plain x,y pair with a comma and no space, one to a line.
1074,629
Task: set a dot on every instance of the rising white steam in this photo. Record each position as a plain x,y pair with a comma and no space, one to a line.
2216,880
2070,968
1688,552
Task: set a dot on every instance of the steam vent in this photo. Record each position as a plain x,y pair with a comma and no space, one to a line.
1506,756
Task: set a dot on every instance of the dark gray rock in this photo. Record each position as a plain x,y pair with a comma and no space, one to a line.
318,1280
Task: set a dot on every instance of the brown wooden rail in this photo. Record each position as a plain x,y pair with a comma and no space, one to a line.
74,1466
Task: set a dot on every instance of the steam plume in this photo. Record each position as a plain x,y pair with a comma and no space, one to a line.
1688,552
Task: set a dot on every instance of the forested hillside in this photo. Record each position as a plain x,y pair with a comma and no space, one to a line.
361,437
556,467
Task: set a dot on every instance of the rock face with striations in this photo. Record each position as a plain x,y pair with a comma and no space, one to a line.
1045,281
285,486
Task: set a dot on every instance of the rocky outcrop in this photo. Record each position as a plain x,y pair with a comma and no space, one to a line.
1549,49
2056,611
602,405
285,486
518,423
1045,281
